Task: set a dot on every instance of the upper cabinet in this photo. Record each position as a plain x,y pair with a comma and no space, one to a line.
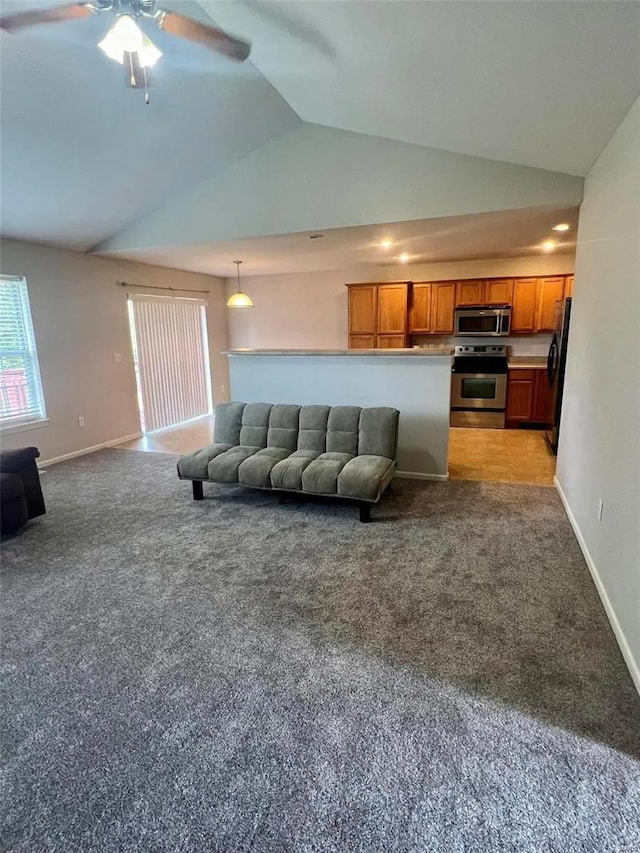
420,308
443,300
385,314
470,292
568,285
498,291
393,309
363,303
432,306
524,304
378,315
550,290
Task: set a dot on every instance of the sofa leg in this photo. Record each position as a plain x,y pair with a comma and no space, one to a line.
198,494
365,512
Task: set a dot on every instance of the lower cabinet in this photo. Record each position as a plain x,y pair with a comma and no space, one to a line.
528,397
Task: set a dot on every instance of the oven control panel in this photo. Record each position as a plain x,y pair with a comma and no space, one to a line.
482,349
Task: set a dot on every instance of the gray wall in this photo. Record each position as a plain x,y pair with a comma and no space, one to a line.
80,321
599,454
418,386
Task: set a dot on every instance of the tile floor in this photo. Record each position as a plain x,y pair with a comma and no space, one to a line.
501,456
492,455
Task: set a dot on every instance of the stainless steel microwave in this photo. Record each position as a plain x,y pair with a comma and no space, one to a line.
482,321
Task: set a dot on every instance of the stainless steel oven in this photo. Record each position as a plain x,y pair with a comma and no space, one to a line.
482,321
479,386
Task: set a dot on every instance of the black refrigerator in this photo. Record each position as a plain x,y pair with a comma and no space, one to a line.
556,364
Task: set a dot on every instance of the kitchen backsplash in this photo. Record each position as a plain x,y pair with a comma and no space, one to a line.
518,344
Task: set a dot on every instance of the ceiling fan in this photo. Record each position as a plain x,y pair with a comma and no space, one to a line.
125,42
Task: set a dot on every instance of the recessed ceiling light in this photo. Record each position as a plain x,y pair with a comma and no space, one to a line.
386,243
549,245
562,226
315,236
404,258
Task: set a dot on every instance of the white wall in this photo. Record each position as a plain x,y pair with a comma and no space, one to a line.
80,321
599,454
309,310
419,386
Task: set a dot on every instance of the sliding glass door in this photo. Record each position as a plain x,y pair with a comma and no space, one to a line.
171,357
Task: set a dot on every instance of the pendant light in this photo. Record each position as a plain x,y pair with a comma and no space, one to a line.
239,299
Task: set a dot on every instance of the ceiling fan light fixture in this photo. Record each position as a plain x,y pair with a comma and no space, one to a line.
149,54
125,36
239,299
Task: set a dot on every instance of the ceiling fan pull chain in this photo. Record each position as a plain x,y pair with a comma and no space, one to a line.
132,79
146,85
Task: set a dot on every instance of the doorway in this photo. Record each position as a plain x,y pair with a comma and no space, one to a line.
171,359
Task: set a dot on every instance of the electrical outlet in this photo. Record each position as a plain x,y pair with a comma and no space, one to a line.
117,357
600,509
80,421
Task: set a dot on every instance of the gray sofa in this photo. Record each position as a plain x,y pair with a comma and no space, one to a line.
340,451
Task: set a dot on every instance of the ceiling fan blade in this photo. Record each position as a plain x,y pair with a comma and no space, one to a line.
45,16
211,37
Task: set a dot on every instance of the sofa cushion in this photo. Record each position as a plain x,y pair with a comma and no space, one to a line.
283,427
321,475
288,473
193,466
312,434
255,424
342,429
364,476
227,423
224,468
256,469
378,432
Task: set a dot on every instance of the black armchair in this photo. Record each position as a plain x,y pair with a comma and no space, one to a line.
20,492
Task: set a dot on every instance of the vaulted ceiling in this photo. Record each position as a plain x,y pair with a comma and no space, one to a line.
85,163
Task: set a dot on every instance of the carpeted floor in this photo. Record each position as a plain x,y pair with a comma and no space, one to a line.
235,675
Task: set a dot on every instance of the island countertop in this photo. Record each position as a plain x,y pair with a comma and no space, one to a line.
411,352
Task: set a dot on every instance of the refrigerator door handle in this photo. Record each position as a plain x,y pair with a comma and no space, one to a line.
552,361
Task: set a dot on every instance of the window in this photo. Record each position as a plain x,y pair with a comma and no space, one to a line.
21,399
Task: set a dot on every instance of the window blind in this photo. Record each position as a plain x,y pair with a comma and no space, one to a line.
171,359
21,398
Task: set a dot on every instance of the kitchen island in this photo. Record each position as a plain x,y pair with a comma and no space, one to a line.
417,382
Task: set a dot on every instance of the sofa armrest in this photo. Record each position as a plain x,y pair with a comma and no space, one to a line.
14,461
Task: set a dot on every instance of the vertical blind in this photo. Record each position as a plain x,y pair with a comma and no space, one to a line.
21,398
172,359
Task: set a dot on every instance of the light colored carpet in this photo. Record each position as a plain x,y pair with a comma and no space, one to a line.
235,675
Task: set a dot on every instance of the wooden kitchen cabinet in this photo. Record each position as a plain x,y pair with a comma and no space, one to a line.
550,290
378,315
469,292
391,341
498,291
528,396
443,298
363,304
432,306
392,309
362,341
420,309
524,305
568,285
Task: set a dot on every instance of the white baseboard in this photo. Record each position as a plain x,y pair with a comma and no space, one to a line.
625,648
43,463
417,475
